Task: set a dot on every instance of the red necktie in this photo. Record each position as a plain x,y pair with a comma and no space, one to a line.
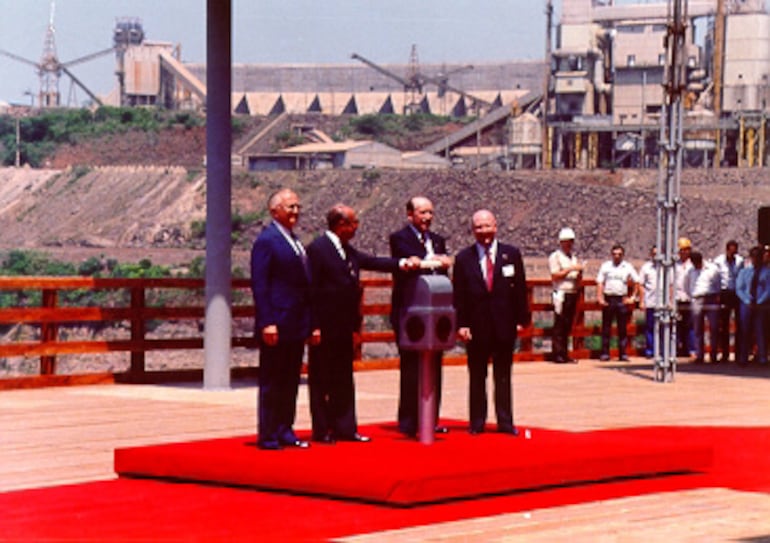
490,270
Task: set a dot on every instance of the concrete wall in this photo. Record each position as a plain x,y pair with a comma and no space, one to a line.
747,62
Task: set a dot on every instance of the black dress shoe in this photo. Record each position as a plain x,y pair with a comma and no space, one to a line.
510,431
441,430
325,440
623,358
356,437
297,443
269,446
475,431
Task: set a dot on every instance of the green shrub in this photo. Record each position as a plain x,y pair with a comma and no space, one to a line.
40,134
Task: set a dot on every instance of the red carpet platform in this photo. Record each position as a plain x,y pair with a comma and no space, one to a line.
398,471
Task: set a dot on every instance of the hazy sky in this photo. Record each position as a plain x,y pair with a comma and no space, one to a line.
270,31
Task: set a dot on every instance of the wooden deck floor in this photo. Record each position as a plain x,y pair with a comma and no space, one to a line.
64,435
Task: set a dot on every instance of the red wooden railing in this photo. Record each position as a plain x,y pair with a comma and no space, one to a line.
53,315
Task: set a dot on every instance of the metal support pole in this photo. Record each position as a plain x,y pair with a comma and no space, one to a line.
427,405
218,323
17,162
668,201
547,131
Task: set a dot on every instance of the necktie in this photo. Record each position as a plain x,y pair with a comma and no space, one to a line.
425,238
490,270
348,261
300,250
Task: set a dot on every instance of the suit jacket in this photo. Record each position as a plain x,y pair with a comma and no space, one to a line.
336,292
280,283
403,244
491,315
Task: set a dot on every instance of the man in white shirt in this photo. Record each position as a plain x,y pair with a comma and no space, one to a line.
616,278
729,263
702,284
648,279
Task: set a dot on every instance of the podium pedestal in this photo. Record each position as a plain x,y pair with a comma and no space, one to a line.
427,398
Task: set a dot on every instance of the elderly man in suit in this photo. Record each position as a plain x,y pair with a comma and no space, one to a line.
415,240
336,300
490,294
280,283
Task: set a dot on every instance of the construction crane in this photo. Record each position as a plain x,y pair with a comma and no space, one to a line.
49,68
412,85
415,81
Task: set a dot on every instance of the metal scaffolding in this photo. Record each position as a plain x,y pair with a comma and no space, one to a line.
669,200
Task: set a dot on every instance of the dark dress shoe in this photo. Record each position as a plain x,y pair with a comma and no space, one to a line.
442,430
356,437
623,358
325,440
475,431
559,360
510,431
269,445
297,443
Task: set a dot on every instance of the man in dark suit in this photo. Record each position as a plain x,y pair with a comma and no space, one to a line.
415,239
336,302
280,283
490,294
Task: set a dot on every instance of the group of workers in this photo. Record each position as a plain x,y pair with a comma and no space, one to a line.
728,289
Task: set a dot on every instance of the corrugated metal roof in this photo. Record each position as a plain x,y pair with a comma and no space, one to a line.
335,147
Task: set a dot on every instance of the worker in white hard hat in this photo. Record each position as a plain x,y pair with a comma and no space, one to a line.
566,274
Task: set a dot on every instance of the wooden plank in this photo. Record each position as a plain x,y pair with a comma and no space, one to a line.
39,381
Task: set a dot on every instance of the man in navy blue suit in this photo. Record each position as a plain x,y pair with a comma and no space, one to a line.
490,295
415,239
280,283
336,300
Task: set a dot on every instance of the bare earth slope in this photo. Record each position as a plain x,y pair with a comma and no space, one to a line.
128,206
146,210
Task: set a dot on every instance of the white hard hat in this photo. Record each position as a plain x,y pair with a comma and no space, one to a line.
566,234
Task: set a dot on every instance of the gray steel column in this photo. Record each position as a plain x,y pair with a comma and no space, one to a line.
670,172
218,324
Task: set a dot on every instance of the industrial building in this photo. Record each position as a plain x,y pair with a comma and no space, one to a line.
595,100
603,94
351,154
606,94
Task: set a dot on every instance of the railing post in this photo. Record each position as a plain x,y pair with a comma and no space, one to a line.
49,332
578,342
137,329
525,343
357,344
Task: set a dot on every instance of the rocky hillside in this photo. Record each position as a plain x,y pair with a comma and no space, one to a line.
148,211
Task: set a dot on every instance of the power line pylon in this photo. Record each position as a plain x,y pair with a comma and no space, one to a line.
49,67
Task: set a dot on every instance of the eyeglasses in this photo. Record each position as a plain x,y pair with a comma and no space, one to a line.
292,206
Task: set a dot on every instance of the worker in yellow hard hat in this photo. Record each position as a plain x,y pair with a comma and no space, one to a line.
684,339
